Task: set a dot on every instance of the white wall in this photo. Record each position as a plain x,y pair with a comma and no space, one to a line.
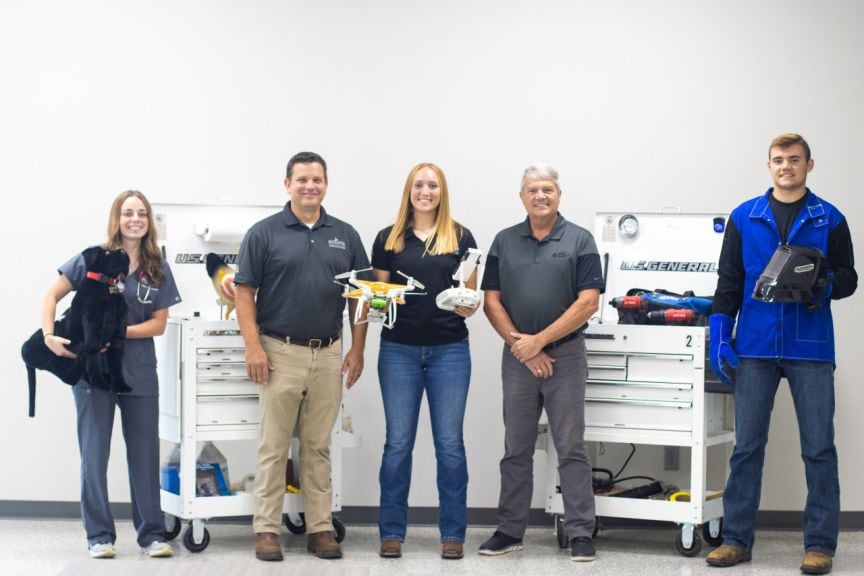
638,104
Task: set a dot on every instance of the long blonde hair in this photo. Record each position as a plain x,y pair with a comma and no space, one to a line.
444,238
151,256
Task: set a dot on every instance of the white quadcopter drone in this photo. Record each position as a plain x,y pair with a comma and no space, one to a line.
461,295
382,297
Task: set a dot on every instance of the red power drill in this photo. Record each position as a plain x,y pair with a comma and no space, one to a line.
672,316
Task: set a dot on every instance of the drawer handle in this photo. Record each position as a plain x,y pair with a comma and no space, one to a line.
590,336
606,367
638,384
232,397
219,350
664,384
679,357
661,403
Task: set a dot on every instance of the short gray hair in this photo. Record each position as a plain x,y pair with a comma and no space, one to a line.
540,171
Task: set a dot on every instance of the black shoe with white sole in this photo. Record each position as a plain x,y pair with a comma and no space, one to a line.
582,550
500,543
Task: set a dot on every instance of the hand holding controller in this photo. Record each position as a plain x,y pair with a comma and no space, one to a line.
452,297
462,295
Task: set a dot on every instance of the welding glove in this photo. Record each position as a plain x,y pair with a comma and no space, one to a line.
824,294
721,345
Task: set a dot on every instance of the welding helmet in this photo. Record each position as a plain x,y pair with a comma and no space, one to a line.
794,274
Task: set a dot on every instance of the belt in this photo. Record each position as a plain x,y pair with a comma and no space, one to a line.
564,340
305,342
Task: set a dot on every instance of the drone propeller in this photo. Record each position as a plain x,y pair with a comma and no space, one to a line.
411,281
351,273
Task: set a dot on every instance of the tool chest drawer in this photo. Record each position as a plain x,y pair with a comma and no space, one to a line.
646,367
224,410
221,371
227,387
638,414
627,391
220,356
607,366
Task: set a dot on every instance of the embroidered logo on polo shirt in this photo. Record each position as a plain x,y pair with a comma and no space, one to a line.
336,243
559,255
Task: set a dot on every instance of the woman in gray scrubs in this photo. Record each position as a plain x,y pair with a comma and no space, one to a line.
149,291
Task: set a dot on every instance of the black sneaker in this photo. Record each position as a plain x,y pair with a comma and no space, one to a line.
500,543
582,550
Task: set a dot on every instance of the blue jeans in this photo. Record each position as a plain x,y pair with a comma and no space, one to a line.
405,372
812,387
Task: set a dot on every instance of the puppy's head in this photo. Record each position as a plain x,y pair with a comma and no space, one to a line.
112,263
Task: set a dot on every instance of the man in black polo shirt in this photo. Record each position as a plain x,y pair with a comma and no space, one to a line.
290,314
542,282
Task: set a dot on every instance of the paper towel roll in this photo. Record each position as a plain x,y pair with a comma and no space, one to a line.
221,232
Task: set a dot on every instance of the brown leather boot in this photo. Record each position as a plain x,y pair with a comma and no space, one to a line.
324,545
816,563
451,550
390,549
267,546
728,555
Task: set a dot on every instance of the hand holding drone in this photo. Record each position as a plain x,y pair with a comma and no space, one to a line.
462,296
382,297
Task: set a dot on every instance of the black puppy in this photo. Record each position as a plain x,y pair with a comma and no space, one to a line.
95,324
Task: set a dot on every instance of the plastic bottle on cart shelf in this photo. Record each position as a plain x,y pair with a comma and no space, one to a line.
210,454
174,456
171,471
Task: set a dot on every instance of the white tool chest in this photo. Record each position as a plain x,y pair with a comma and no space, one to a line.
646,383
205,394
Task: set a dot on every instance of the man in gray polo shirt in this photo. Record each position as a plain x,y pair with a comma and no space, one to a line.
542,282
290,313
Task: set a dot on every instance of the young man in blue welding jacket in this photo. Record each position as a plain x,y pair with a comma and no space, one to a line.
792,338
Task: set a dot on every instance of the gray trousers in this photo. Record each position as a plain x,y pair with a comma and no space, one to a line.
563,396
140,421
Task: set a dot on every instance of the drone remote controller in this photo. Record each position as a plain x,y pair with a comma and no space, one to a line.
461,295
452,297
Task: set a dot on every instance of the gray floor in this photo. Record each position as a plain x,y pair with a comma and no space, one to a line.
56,547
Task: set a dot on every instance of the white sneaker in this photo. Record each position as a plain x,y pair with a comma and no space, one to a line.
102,550
158,549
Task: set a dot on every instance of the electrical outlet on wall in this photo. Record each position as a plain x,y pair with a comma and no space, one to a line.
671,457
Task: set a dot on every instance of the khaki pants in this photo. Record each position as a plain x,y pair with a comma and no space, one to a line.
305,388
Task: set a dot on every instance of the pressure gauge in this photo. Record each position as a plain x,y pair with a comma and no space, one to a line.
628,225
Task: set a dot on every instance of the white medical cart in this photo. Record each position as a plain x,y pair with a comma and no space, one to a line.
206,395
646,383
204,392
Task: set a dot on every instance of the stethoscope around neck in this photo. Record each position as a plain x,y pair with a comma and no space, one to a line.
143,279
